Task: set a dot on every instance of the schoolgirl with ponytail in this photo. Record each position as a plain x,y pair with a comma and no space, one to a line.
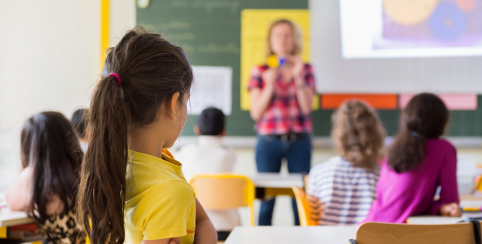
419,161
132,190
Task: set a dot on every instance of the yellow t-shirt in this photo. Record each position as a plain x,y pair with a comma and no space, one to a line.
160,203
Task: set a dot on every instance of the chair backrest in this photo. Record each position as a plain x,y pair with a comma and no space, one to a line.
224,191
303,208
383,233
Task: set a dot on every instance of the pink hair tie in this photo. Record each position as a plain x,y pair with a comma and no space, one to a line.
117,77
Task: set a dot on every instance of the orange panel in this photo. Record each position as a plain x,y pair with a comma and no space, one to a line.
378,101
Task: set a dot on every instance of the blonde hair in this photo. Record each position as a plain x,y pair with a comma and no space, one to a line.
296,33
358,133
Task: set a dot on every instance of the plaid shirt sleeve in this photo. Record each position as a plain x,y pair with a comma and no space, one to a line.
255,80
310,76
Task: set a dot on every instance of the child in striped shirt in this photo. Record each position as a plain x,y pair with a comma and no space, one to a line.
346,185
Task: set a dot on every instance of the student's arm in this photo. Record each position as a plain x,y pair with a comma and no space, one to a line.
261,97
166,213
449,195
16,196
205,232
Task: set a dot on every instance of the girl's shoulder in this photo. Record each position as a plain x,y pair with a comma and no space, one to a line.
439,144
331,165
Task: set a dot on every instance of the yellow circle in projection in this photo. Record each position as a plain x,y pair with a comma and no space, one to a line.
409,12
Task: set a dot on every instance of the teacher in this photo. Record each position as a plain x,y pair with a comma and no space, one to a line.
281,100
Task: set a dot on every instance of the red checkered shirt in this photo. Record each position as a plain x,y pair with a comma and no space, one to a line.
283,114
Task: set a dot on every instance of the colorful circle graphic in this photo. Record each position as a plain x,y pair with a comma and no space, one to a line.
447,21
409,12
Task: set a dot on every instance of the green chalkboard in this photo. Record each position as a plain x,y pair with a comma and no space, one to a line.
210,32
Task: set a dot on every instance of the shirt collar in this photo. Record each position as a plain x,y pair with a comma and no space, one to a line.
210,140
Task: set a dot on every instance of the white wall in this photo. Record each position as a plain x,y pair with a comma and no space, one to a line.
122,18
49,60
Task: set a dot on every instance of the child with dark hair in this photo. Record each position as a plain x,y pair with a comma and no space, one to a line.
47,187
133,190
79,121
419,161
209,156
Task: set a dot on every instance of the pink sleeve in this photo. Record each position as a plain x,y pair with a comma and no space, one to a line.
448,182
255,80
310,76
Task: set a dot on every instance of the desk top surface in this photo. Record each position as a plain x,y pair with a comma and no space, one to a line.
11,218
282,235
276,180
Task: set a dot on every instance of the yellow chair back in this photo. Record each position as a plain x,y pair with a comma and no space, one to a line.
303,208
224,191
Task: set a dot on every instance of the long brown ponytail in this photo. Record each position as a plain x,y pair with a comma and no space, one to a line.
151,71
425,117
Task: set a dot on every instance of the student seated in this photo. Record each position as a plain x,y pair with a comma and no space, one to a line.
46,188
419,161
78,120
210,156
132,189
345,185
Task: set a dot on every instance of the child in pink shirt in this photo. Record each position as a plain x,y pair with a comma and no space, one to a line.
418,163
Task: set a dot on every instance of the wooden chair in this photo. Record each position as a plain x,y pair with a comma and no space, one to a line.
224,191
382,233
304,210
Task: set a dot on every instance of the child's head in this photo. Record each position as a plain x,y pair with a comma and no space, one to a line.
210,123
148,87
51,149
358,133
284,38
78,120
424,117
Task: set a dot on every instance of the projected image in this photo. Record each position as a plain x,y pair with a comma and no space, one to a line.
410,28
430,24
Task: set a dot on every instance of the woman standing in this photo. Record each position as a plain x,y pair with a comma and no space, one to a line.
281,100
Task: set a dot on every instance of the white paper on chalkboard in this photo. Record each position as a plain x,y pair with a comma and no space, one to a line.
212,88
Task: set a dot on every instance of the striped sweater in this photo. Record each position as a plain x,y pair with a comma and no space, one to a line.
346,191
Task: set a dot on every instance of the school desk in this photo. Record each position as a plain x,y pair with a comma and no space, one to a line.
434,220
275,184
11,218
466,201
290,235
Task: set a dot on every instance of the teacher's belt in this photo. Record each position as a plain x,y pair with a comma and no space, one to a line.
290,137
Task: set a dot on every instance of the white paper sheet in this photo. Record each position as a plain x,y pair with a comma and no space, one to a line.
212,88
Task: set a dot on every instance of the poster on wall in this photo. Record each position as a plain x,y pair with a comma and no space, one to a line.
254,35
212,88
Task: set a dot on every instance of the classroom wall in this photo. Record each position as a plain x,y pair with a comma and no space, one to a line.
49,60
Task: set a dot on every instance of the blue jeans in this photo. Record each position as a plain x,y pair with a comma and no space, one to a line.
270,150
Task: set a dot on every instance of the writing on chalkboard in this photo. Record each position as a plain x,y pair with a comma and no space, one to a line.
209,6
211,47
